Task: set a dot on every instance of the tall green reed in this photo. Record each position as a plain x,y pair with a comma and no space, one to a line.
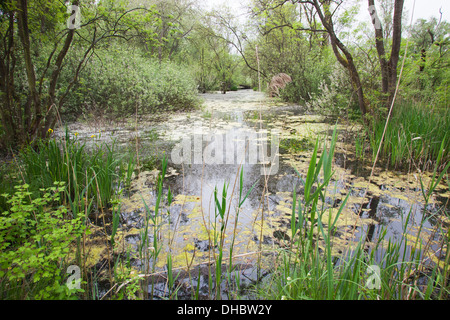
153,220
389,269
68,160
93,181
414,134
219,236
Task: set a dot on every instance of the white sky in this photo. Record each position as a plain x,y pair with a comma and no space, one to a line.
427,8
423,8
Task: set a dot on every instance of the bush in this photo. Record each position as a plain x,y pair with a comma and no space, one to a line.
35,239
65,188
120,80
333,96
308,77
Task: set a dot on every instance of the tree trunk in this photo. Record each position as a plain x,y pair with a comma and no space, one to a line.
379,44
423,59
38,121
339,48
388,67
395,52
24,35
7,65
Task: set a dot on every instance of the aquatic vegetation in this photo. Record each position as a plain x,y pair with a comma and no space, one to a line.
323,261
327,242
414,136
195,232
68,160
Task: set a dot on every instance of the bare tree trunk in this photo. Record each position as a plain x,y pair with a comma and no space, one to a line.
388,66
396,43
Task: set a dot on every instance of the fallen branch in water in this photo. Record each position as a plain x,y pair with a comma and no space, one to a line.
181,268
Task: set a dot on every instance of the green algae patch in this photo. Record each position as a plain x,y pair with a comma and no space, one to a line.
96,244
182,199
346,218
140,191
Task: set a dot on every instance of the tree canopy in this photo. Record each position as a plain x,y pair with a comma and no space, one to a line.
49,49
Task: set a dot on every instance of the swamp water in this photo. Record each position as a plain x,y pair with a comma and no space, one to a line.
207,149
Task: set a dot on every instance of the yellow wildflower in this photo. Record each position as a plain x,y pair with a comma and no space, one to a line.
50,130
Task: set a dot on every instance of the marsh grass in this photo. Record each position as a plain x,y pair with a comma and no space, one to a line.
414,136
360,146
92,179
388,270
68,160
304,269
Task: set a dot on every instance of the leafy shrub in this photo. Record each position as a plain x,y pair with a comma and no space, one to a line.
333,94
120,80
427,86
35,239
307,77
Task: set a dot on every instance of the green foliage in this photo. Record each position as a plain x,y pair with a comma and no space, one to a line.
311,79
43,210
214,65
430,85
285,46
8,178
427,73
90,175
35,239
414,135
93,69
154,221
307,270
123,80
333,95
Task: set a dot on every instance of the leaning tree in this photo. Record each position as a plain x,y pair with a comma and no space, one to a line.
36,37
